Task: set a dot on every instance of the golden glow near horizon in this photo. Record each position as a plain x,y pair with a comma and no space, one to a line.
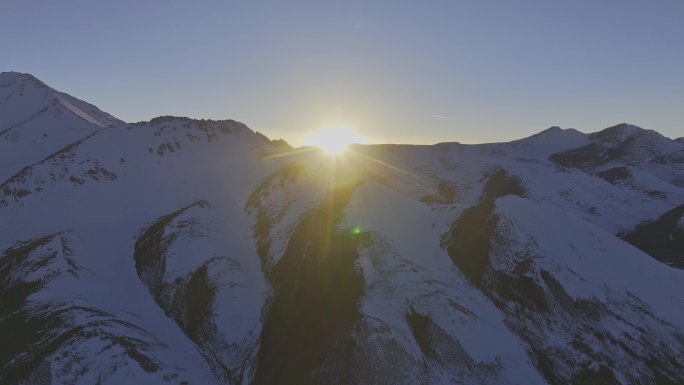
334,139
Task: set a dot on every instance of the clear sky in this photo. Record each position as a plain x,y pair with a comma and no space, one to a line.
396,71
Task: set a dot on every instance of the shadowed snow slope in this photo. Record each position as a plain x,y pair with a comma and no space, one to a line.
182,251
36,120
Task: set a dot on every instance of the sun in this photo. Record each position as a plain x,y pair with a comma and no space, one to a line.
334,139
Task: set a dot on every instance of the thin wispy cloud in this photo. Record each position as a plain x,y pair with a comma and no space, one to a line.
442,117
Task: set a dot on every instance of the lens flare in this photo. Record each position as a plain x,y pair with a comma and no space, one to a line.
334,139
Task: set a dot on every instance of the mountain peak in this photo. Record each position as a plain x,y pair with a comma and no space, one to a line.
17,80
23,97
556,130
619,130
13,75
553,139
37,120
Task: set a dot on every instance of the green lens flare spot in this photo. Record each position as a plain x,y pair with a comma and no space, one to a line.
356,230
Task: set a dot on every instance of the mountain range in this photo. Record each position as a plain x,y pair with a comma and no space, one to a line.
184,251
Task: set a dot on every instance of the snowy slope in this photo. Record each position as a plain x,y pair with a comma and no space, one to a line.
38,120
114,192
197,251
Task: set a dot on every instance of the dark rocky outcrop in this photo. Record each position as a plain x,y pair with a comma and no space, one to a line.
663,238
188,299
615,174
535,304
32,331
316,295
469,238
267,217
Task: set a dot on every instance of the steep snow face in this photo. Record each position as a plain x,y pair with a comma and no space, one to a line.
417,308
54,331
110,190
198,251
198,275
594,308
36,120
23,97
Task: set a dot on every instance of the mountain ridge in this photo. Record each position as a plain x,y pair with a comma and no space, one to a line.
181,251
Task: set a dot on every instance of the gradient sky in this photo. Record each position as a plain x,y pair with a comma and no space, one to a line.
396,71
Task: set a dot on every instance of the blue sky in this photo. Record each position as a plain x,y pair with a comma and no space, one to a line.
396,71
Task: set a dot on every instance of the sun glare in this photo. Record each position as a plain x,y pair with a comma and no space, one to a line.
334,139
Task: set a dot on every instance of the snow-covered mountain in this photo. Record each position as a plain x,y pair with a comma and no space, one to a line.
181,251
36,121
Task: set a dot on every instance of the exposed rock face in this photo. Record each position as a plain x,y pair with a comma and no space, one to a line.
662,238
34,330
